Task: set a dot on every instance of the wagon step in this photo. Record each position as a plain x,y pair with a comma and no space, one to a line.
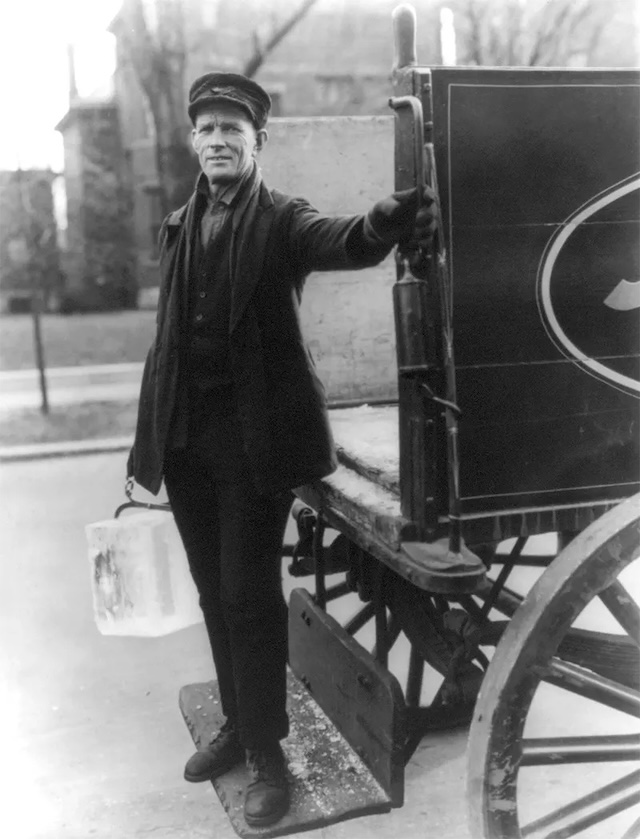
331,779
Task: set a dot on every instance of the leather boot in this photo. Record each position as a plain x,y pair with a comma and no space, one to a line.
267,795
220,755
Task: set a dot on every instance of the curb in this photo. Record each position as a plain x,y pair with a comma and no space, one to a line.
67,448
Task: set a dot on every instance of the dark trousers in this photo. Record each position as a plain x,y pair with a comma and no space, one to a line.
233,539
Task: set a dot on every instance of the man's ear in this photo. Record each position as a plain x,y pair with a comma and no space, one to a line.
193,138
261,140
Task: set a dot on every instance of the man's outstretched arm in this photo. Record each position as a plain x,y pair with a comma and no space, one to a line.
333,243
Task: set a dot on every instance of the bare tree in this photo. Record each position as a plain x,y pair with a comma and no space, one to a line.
152,40
280,31
527,32
151,34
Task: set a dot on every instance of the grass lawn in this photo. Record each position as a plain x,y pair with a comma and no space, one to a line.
87,421
69,340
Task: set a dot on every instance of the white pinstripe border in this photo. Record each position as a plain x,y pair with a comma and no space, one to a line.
553,247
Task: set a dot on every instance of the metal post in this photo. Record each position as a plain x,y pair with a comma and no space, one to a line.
36,292
36,304
318,556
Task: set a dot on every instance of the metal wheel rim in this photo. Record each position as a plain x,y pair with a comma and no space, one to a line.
604,549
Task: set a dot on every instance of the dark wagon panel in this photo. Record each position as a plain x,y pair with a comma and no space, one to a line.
539,184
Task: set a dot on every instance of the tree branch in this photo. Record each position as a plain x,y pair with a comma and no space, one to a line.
257,59
549,34
475,33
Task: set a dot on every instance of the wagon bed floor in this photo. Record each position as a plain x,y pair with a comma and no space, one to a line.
367,440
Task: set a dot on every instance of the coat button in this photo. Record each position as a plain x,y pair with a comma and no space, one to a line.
202,294
199,317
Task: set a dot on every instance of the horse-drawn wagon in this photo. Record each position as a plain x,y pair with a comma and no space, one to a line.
522,429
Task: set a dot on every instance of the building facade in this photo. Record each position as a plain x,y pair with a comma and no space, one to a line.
99,260
336,61
29,254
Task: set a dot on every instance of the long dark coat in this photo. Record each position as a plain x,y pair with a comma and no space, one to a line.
281,401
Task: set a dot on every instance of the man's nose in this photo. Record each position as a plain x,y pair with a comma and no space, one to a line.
216,138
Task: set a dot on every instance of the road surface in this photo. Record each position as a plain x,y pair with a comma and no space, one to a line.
68,385
93,744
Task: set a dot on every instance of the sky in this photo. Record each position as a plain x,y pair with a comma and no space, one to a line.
34,85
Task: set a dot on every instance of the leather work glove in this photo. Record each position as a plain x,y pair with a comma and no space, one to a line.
393,219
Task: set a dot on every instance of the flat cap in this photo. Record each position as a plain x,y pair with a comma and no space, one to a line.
233,88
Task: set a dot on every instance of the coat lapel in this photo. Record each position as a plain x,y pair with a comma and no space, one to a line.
248,247
176,257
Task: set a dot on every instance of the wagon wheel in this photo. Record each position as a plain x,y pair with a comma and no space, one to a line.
526,665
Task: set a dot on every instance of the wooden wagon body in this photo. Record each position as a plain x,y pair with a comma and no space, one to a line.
536,277
516,415
539,187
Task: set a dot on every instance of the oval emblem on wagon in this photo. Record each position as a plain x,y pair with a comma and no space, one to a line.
588,286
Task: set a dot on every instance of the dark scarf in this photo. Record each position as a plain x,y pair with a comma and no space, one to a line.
244,216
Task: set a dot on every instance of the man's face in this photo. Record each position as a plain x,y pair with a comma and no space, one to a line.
225,141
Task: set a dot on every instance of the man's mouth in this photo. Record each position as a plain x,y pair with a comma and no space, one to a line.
218,159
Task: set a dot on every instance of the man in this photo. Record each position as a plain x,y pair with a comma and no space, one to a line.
232,413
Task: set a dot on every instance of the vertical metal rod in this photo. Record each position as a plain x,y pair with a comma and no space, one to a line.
445,293
414,104
382,646
414,678
318,558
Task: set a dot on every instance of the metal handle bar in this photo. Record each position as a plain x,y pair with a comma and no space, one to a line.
397,103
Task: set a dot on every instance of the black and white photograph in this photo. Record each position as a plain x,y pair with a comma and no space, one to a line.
320,419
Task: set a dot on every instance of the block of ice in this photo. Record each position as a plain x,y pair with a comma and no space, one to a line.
140,577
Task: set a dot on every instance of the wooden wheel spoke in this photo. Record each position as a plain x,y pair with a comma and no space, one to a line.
542,644
394,629
612,656
588,810
358,620
551,751
507,568
507,601
579,680
633,832
623,608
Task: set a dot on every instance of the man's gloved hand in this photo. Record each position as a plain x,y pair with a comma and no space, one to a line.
394,219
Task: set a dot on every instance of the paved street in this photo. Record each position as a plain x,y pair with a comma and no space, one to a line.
68,385
92,740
